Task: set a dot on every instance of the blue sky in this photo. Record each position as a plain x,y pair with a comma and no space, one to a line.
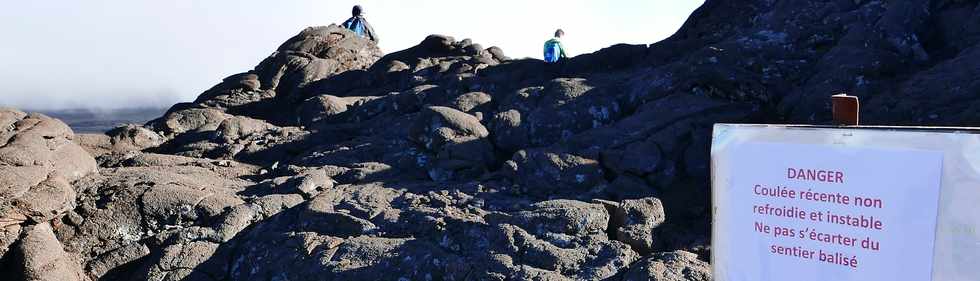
122,53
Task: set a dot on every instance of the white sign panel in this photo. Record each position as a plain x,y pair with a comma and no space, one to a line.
813,212
800,203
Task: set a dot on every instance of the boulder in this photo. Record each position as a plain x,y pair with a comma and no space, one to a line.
328,108
185,261
247,81
470,101
133,137
366,201
9,116
178,121
335,224
10,231
433,46
636,221
240,127
508,134
38,140
43,202
298,71
543,173
669,266
124,208
117,258
458,142
308,184
559,257
497,53
568,217
43,258
314,54
562,108
38,162
171,204
292,255
333,42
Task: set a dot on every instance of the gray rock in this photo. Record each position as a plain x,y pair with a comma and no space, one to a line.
43,258
247,81
565,217
9,234
239,127
316,53
171,204
117,258
313,182
184,262
456,139
237,219
38,160
327,107
133,137
292,255
544,173
331,42
43,202
583,258
335,224
189,120
38,140
669,266
363,201
9,116
498,54
508,133
636,221
437,126
470,101
124,207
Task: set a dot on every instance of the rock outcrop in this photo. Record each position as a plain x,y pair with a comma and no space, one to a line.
38,163
451,161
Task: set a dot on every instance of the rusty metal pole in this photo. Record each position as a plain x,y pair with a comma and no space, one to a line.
846,110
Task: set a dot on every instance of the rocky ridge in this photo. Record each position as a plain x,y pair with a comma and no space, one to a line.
451,161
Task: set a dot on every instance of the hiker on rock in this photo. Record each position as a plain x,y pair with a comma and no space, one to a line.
359,25
553,50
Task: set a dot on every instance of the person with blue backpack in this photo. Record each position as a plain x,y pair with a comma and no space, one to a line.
359,25
553,50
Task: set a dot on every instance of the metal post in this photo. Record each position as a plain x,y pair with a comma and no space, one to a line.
846,110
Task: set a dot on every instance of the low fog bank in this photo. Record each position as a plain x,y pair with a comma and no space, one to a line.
100,120
91,101
95,112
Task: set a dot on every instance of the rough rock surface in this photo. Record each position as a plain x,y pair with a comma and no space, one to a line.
38,162
450,161
677,265
635,221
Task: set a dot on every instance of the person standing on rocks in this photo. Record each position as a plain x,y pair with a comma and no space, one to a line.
359,25
553,49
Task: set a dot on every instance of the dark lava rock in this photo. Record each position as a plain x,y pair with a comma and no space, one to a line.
449,161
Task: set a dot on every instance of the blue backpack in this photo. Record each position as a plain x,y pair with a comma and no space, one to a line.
552,51
358,27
